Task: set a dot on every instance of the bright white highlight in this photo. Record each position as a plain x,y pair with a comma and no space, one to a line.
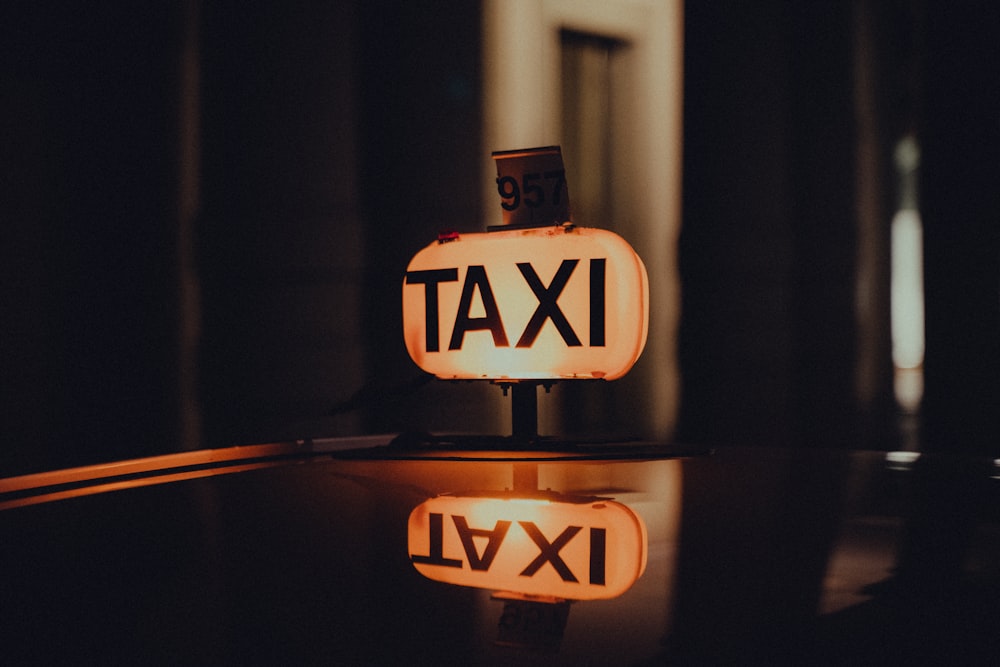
907,290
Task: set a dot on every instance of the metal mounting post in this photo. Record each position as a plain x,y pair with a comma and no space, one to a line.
524,411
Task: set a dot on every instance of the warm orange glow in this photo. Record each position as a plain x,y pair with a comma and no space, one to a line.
540,303
588,550
55,485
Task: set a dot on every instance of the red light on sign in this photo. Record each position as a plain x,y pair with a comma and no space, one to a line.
588,550
527,304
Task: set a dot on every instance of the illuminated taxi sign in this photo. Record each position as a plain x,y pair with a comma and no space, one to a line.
539,303
590,550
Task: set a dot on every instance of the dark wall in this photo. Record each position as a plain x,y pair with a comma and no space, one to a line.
766,253
960,191
280,238
338,140
211,209
90,177
777,307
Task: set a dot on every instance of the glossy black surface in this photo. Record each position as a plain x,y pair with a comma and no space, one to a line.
754,555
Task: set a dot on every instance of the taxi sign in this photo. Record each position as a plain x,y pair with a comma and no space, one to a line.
589,549
558,302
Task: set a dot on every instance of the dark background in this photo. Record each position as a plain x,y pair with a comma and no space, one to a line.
781,342
207,208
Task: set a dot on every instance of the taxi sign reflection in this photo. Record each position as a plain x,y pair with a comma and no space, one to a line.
560,547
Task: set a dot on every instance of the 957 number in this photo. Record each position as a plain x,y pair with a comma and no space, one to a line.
532,189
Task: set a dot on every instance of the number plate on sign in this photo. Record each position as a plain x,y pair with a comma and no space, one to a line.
528,304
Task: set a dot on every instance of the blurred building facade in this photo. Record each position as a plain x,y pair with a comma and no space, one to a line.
210,207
